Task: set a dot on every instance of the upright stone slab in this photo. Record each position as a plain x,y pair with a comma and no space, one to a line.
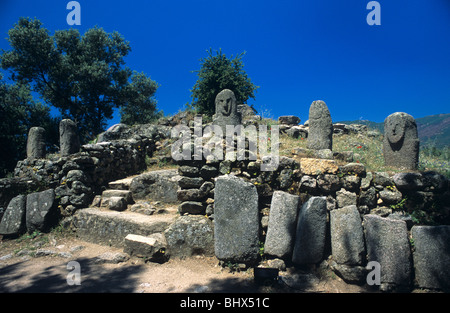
347,237
320,134
311,231
401,142
226,110
387,243
281,229
69,142
236,220
432,256
36,143
40,210
13,221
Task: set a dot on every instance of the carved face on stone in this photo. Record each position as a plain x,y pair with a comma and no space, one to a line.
225,102
395,128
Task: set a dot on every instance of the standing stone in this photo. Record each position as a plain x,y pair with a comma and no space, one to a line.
68,137
226,110
311,231
432,256
347,238
36,143
13,221
40,210
320,135
401,142
281,228
387,243
236,218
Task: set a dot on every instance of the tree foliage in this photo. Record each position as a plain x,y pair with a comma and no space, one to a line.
85,77
18,113
217,73
141,108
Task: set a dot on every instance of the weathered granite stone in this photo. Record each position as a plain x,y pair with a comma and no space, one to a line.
401,142
191,207
159,185
281,227
347,238
226,110
152,247
311,231
350,273
368,197
320,135
345,198
189,171
311,166
186,182
387,243
409,181
69,142
289,120
117,203
41,210
13,220
236,218
190,235
432,256
36,143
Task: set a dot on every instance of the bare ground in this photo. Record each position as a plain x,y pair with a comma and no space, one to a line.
22,269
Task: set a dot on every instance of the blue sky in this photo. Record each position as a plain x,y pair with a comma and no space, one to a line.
296,51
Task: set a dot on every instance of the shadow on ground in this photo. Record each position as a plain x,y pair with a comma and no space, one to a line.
95,278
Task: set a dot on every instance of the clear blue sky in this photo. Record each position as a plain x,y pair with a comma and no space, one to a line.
297,51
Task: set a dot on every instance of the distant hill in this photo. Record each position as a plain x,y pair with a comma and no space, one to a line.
433,129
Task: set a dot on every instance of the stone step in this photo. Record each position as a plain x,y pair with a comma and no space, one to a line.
111,227
121,184
117,200
108,193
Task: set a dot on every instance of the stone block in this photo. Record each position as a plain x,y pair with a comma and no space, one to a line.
236,218
432,256
310,232
281,228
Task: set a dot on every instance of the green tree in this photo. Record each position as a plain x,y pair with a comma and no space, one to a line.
141,108
85,77
217,73
18,113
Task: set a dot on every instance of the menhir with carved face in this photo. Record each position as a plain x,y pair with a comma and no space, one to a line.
401,142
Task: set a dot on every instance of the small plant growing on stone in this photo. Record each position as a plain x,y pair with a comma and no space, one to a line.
261,248
400,205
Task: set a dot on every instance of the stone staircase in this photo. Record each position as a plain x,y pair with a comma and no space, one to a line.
141,207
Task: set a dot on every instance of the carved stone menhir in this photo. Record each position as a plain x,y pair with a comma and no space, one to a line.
68,137
401,142
36,143
226,110
320,135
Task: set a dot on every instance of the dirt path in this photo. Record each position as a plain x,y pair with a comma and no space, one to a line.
41,266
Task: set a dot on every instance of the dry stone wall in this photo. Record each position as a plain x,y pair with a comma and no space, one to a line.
307,211
73,180
311,210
